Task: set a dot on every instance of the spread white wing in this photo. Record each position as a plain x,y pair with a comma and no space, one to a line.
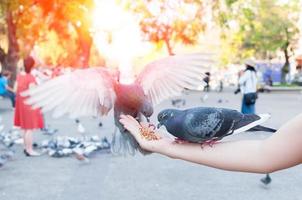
167,77
84,92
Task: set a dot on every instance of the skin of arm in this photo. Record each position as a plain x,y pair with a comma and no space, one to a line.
280,151
9,89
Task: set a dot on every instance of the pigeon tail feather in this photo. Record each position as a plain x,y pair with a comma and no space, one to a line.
263,128
250,121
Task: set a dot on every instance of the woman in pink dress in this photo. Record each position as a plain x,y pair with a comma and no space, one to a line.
27,118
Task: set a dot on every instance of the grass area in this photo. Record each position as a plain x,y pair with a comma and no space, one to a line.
285,85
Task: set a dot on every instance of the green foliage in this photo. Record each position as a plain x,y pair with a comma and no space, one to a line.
229,2
36,21
257,28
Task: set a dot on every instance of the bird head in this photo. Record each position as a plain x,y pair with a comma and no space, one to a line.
164,116
147,108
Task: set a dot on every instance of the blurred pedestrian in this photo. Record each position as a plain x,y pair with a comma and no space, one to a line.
27,118
220,86
207,81
248,87
5,89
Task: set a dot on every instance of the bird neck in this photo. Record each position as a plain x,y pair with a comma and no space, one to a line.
174,124
126,73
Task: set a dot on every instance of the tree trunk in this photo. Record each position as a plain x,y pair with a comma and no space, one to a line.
11,58
2,57
285,68
169,48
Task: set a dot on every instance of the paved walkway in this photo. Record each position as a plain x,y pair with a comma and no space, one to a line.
146,177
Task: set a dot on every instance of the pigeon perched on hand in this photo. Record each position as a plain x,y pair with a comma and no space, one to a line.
205,124
93,91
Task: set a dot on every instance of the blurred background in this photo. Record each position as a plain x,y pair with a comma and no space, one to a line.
65,35
84,33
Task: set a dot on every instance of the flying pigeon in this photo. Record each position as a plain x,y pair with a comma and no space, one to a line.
95,91
207,124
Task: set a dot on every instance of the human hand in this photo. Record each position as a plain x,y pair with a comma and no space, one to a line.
159,145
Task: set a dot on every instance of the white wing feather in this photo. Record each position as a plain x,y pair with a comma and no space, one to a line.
80,93
167,77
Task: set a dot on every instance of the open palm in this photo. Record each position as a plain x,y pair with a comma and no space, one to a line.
134,126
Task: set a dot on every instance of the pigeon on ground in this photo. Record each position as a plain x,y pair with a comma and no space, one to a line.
207,124
6,156
48,131
266,180
80,128
82,147
10,138
96,90
204,98
100,124
7,141
2,161
178,102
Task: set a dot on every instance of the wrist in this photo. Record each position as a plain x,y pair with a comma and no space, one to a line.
168,150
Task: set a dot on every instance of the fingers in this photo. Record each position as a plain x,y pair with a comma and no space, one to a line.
131,125
144,124
130,119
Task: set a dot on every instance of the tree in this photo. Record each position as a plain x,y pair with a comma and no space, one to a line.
71,21
259,28
30,23
167,22
9,57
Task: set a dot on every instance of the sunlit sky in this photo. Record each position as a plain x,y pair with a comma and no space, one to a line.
117,35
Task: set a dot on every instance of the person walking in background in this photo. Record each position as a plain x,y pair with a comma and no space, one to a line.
248,87
5,89
27,118
207,81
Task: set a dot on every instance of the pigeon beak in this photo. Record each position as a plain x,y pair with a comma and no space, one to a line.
148,119
159,125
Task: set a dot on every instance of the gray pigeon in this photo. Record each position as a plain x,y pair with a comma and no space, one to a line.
205,124
178,102
266,180
64,146
4,157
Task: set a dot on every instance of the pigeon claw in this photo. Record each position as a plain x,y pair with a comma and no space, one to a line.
208,143
152,126
180,141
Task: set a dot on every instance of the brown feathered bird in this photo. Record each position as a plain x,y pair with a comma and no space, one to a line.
94,91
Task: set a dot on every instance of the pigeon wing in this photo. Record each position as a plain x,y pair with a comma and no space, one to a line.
203,124
167,77
84,92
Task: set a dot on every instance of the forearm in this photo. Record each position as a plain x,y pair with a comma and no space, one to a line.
245,156
280,151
